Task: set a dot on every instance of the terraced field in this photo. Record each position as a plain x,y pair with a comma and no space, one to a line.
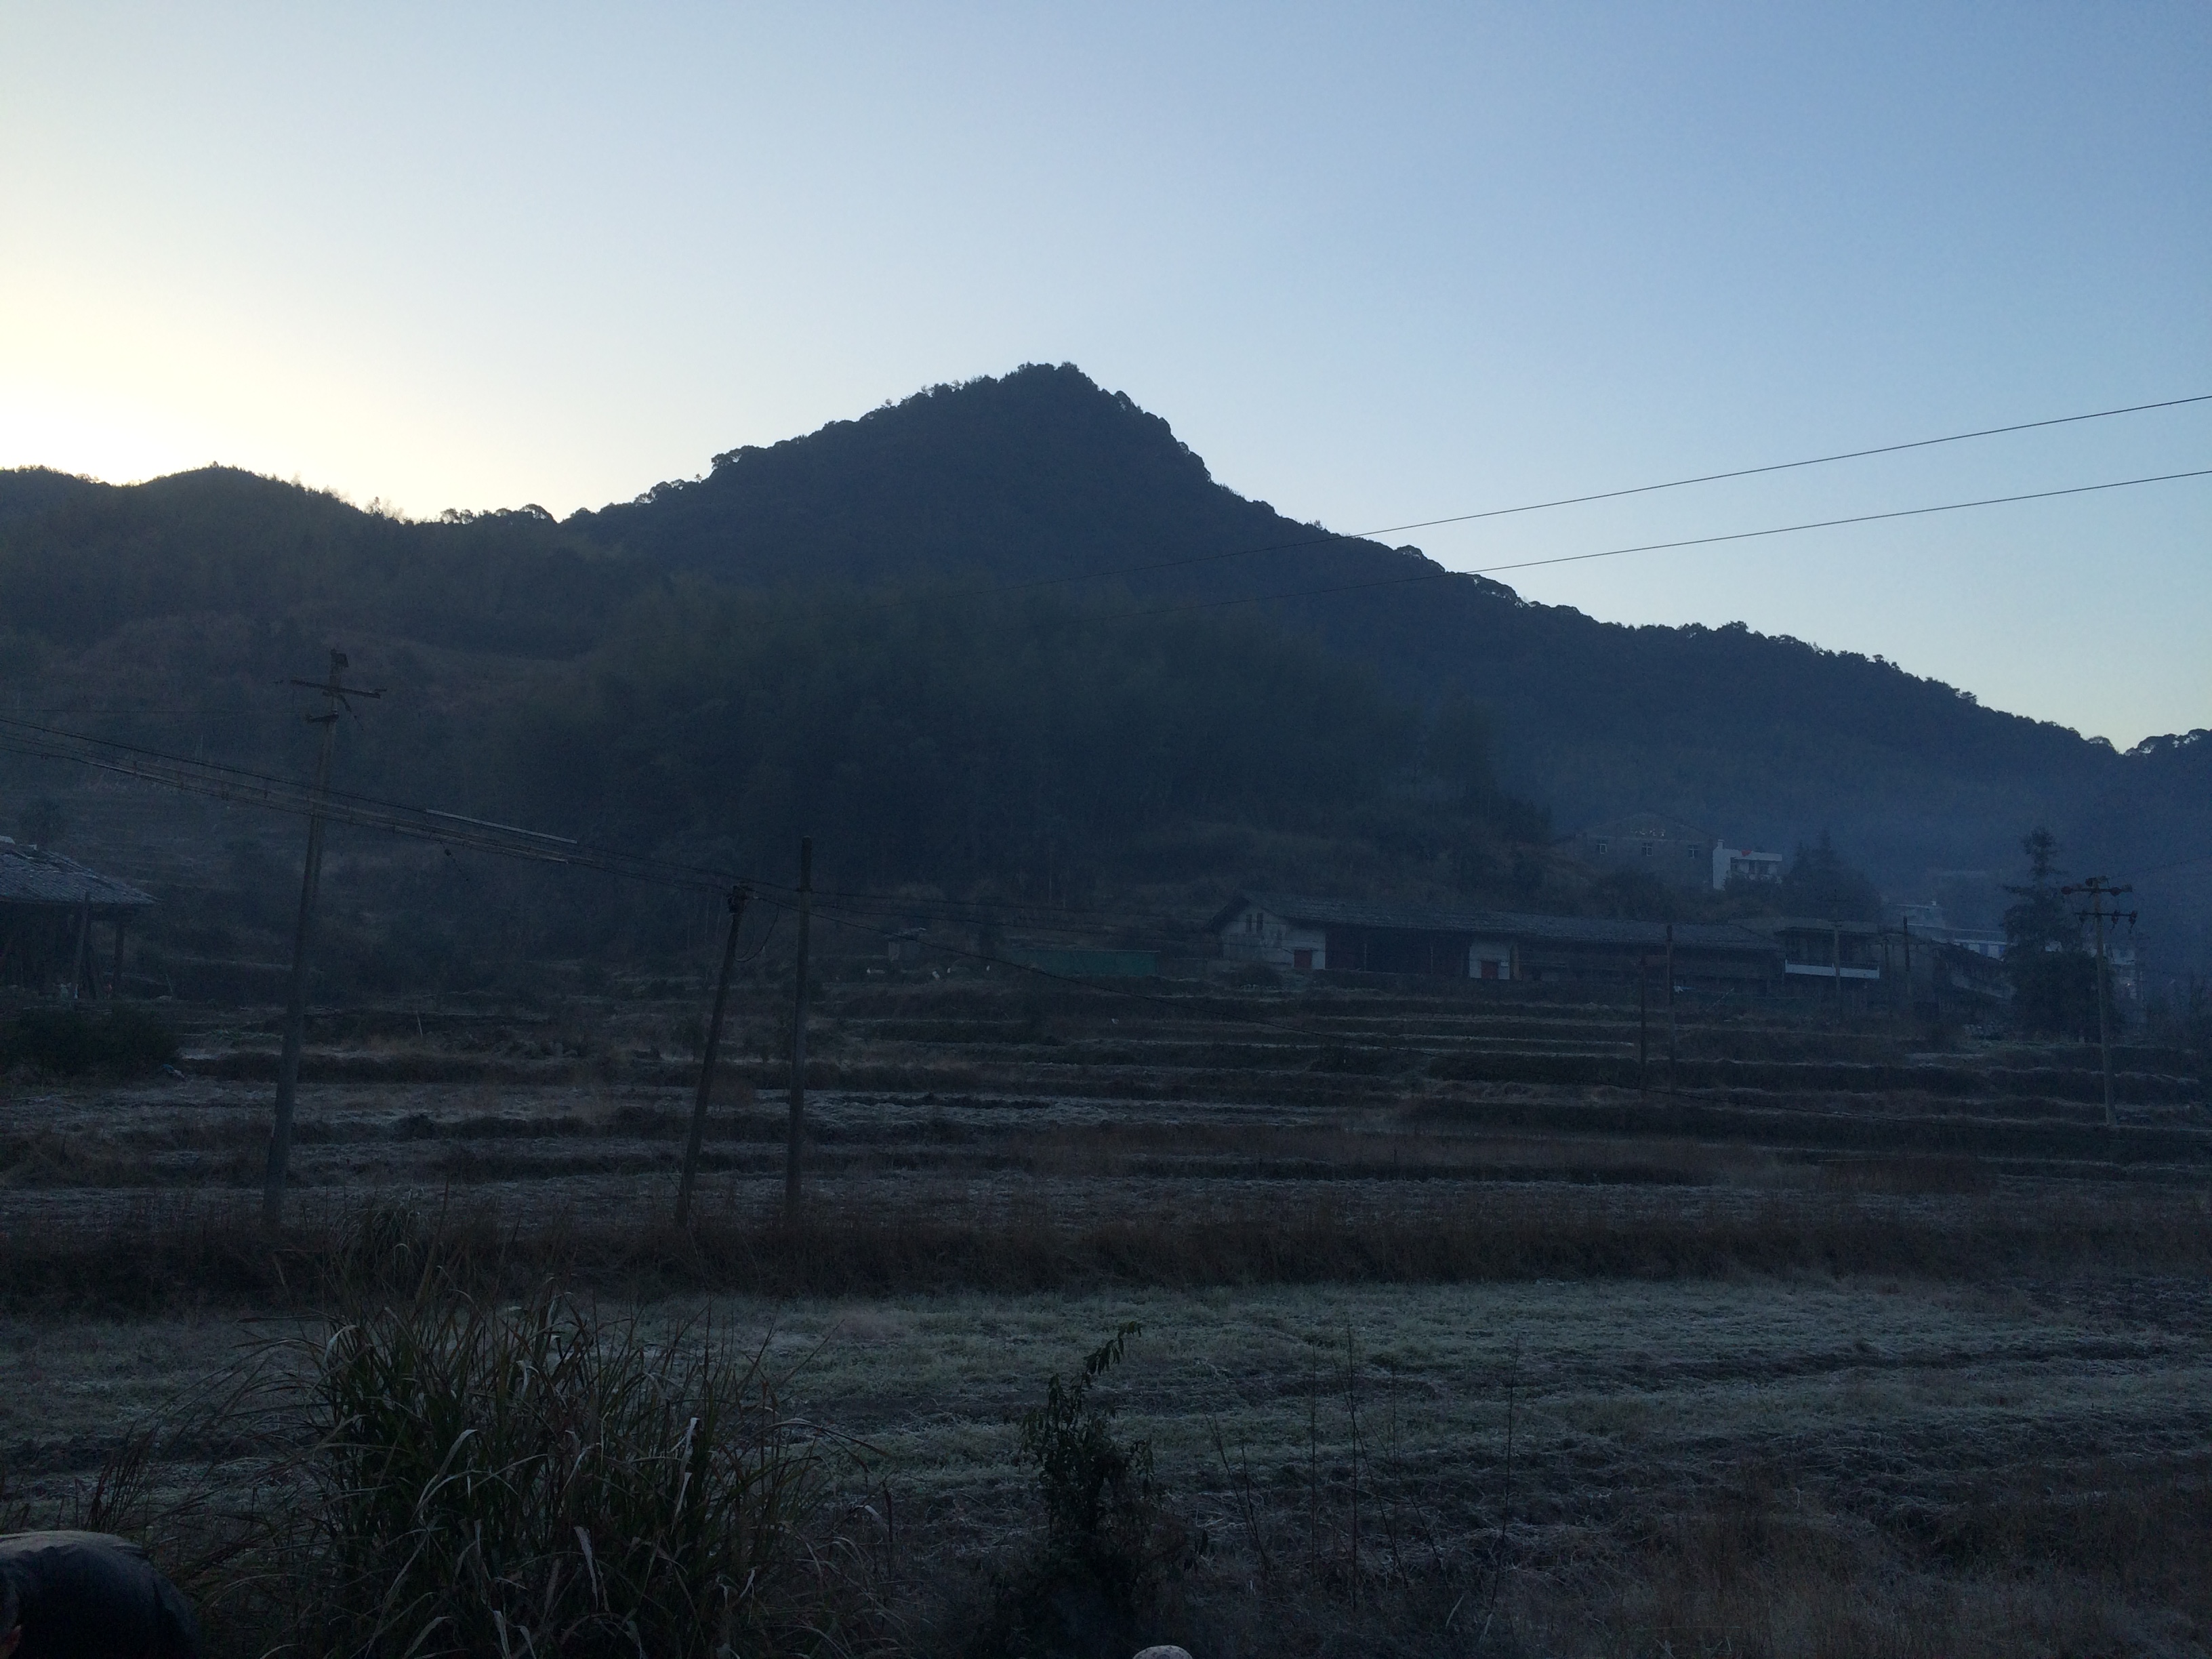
1088,1097
1455,1337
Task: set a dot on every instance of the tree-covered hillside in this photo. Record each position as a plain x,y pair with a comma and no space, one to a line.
981,559
1043,476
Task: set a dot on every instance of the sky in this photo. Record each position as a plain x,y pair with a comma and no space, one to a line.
1376,264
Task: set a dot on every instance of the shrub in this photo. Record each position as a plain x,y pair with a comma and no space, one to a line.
1098,1492
1109,1538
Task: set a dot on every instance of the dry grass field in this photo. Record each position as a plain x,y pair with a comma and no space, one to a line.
1452,1338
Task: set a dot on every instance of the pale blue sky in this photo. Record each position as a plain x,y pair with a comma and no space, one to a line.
1374,263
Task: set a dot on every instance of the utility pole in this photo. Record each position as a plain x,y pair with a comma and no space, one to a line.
738,898
1836,957
799,1036
1905,932
2098,889
334,694
1670,1008
1642,1024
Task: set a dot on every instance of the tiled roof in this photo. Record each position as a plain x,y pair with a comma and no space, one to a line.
1497,924
31,875
1812,925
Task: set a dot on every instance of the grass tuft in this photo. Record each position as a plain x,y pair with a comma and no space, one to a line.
487,1478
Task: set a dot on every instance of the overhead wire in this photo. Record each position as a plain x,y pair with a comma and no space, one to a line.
1439,573
1323,538
360,810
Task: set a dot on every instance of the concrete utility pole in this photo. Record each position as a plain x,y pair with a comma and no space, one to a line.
791,1147
2098,890
1642,1024
334,694
1836,958
1905,930
713,1049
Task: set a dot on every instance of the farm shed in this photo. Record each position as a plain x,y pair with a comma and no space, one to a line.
1286,930
49,906
1717,956
1829,953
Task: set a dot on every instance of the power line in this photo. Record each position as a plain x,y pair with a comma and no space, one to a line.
360,810
1326,537
254,788
1439,573
288,796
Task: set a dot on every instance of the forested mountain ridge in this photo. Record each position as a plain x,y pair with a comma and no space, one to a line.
1041,476
81,560
1002,490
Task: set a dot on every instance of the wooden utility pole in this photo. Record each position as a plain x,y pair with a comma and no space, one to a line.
1670,1008
738,898
334,694
791,1148
2098,889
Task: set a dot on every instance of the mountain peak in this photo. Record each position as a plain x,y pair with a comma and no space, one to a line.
1039,472
1038,403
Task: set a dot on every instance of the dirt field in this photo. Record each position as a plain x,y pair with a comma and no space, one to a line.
1433,1362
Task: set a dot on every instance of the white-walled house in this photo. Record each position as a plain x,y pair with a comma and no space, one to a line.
1253,933
1745,864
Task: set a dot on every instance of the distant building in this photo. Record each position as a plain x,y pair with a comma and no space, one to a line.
1677,853
49,906
2122,964
1928,921
1746,864
1816,949
1293,930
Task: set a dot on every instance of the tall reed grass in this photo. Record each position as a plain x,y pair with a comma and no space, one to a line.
426,1466
527,1478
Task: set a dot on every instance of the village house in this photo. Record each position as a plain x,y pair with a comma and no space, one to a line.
1668,850
1746,864
1319,935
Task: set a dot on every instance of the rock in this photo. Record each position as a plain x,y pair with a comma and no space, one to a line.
1165,1652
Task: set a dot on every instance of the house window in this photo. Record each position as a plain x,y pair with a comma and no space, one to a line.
1647,849
1489,968
1302,958
1603,847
